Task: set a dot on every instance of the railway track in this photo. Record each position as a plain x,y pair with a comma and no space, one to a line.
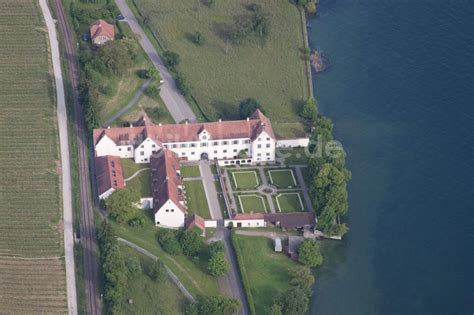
88,230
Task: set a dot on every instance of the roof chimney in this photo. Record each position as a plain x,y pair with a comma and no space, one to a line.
248,118
108,127
186,122
159,124
220,120
131,125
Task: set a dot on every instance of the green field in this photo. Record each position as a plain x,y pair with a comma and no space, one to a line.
190,171
282,178
245,180
192,273
267,271
196,198
252,203
129,167
221,74
141,183
150,297
289,202
296,156
32,275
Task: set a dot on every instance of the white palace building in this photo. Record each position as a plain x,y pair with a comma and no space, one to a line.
240,141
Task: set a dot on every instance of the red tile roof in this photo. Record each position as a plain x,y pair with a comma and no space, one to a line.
102,28
165,179
195,220
248,216
108,173
188,132
291,220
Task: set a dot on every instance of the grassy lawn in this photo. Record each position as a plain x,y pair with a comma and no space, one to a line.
150,297
141,183
267,271
252,203
192,273
245,180
252,64
289,202
282,178
190,171
146,105
196,198
32,275
296,156
129,167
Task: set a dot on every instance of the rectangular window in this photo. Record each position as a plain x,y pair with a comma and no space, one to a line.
115,182
224,151
259,139
192,145
184,145
259,146
142,146
204,144
259,154
215,151
153,145
166,146
268,154
268,139
192,153
225,142
235,150
129,149
142,153
120,149
182,153
112,163
235,142
215,143
174,145
247,141
268,145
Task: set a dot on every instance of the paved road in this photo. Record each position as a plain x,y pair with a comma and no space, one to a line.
88,232
132,102
176,103
231,283
66,170
171,274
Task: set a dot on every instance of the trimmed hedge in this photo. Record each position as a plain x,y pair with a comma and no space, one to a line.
243,273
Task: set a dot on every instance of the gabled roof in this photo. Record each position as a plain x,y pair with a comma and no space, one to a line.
195,221
165,180
219,130
248,216
102,28
108,173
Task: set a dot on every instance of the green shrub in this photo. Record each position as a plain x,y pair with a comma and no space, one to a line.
157,271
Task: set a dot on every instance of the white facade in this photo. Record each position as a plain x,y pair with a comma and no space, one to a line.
261,149
169,215
107,193
251,223
293,143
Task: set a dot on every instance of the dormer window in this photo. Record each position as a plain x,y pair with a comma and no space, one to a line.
204,135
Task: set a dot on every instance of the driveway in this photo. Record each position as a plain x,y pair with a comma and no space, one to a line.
175,102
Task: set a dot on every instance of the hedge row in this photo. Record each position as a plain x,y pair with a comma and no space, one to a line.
243,273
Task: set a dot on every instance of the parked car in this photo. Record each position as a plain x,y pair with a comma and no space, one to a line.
85,36
120,17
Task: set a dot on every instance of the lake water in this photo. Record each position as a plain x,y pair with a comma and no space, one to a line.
400,93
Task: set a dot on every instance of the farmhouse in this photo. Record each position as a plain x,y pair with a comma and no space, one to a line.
231,142
169,205
109,175
101,32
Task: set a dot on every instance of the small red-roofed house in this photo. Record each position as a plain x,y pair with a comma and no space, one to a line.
101,32
109,175
195,222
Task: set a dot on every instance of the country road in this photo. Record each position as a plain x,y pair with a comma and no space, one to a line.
88,232
65,162
174,101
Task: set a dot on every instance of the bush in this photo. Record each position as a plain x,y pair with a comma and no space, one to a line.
213,305
182,85
216,247
310,109
156,113
157,271
169,243
248,106
218,264
197,38
152,73
120,205
133,265
136,222
171,59
191,242
309,253
152,91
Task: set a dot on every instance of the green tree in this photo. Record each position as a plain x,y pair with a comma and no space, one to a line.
215,305
303,278
157,271
120,204
309,253
152,91
152,73
338,229
218,264
171,59
191,242
197,38
216,247
310,109
295,302
133,265
275,309
168,242
117,56
182,85
248,106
